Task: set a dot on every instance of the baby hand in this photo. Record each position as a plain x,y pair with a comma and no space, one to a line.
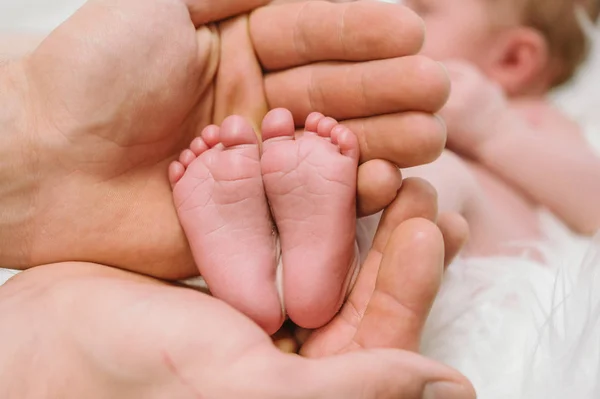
475,110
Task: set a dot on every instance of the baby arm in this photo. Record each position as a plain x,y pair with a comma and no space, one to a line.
550,161
528,145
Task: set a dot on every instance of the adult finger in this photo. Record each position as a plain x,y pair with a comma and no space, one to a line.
408,281
243,91
382,374
416,199
455,230
378,183
205,11
406,139
302,33
358,90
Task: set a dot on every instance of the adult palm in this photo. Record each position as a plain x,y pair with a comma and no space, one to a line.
114,334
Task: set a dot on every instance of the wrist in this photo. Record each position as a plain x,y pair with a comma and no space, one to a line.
17,167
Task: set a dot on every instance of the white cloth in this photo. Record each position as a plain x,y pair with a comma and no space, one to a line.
6,274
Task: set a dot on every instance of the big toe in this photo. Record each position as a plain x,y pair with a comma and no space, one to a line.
278,123
235,130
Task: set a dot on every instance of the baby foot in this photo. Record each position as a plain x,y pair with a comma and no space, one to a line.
310,182
220,199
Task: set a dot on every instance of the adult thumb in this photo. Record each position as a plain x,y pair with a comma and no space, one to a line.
383,374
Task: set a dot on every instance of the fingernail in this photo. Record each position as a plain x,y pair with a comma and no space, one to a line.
446,390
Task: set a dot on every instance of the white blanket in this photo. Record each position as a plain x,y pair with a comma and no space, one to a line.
522,329
516,328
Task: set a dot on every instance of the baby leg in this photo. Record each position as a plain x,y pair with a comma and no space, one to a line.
219,195
310,181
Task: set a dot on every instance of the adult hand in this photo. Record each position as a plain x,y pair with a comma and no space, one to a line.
399,279
83,330
112,96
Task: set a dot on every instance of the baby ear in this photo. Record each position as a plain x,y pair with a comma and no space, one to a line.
521,61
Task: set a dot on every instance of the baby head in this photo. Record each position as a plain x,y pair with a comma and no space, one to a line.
527,46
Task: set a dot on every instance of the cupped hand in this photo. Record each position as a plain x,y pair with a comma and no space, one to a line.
114,94
84,330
